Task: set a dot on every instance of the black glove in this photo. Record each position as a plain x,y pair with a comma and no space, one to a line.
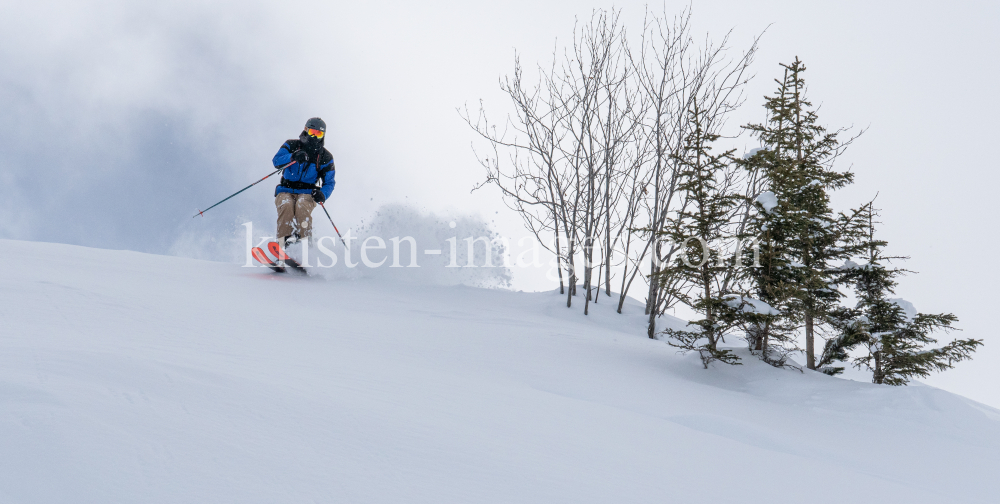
300,157
318,195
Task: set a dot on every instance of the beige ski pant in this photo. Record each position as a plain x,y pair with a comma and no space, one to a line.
294,214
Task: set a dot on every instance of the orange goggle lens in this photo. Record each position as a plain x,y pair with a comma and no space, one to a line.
315,132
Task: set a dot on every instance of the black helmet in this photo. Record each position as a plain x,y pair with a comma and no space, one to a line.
316,123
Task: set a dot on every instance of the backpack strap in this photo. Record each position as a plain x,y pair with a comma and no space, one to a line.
321,173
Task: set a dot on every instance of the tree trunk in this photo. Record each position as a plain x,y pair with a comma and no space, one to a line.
571,288
651,328
810,343
877,375
764,339
651,303
555,219
588,274
709,313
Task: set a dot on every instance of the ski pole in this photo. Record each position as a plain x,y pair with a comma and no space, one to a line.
202,212
334,225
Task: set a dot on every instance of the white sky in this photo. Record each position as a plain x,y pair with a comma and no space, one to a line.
118,120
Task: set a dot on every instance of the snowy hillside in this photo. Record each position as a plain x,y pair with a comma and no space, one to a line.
127,377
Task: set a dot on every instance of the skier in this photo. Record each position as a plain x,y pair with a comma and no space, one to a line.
303,184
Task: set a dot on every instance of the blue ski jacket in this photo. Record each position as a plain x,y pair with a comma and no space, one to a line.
302,179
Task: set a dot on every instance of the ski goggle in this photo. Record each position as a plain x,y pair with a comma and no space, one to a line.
315,132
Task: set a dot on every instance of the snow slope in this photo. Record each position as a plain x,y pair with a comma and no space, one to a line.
127,377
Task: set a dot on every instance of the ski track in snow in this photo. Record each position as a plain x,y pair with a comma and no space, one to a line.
127,377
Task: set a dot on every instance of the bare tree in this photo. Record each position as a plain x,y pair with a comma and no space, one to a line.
532,184
564,147
587,158
597,119
677,78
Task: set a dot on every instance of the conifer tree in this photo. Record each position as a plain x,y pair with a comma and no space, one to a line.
894,342
801,234
848,323
771,281
706,181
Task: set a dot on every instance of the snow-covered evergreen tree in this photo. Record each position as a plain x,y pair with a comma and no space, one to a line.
801,236
771,334
705,179
894,338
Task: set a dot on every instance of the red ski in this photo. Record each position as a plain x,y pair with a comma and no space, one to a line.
261,257
283,258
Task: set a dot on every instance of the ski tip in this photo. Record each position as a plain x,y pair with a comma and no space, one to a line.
276,251
260,256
